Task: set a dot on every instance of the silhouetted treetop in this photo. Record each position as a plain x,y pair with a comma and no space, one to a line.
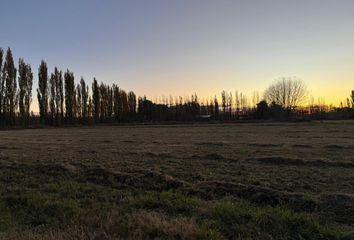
288,92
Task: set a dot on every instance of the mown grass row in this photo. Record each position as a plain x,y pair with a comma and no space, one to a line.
84,209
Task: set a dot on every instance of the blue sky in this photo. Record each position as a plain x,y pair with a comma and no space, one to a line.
180,47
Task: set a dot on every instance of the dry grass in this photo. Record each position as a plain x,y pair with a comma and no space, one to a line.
69,183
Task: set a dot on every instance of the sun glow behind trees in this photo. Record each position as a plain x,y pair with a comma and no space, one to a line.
61,100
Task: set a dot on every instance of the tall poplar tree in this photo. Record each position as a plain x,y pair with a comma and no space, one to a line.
1,86
59,96
25,82
131,105
69,95
96,100
10,88
116,102
42,91
84,100
78,101
52,97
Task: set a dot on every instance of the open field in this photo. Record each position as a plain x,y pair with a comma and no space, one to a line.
230,181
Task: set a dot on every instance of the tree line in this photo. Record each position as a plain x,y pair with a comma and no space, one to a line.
62,101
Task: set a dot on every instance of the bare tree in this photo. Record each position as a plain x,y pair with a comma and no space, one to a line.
288,92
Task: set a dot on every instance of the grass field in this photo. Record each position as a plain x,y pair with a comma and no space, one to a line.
227,181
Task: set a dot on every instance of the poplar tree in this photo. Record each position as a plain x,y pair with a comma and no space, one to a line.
42,91
1,85
103,101
224,103
216,108
78,101
59,96
124,105
9,75
56,101
52,98
69,95
84,100
25,82
90,108
110,103
96,100
116,102
131,105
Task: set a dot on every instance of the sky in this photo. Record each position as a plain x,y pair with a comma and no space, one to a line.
181,47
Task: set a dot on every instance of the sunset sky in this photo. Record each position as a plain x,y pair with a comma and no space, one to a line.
161,47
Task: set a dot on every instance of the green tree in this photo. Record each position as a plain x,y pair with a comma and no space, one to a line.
42,91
